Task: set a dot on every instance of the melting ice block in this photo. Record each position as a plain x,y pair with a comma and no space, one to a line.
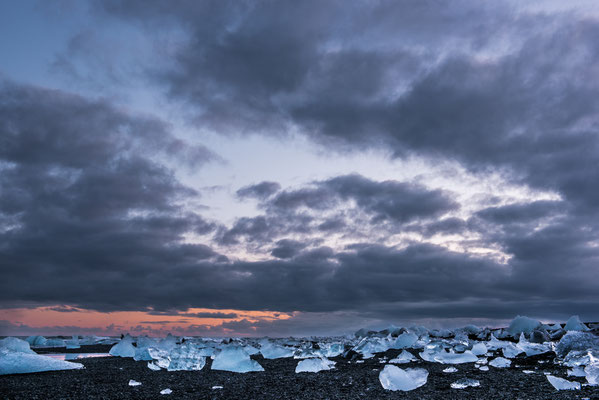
37,341
124,348
395,378
464,383
314,365
450,370
575,340
183,357
331,349
271,351
166,391
133,382
574,324
405,340
562,384
479,349
235,359
16,345
443,357
403,358
500,362
14,362
592,373
523,324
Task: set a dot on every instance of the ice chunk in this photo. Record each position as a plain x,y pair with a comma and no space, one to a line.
124,348
37,341
405,340
577,371
479,349
371,345
168,343
574,324
73,343
15,362
592,373
577,358
523,324
141,351
216,387
271,350
527,371
133,382
464,383
472,329
235,359
331,349
184,357
510,350
166,391
562,384
443,357
532,349
500,362
153,366
403,358
450,370
395,378
16,345
575,340
314,365
484,368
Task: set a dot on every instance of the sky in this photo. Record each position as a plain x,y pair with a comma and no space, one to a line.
251,168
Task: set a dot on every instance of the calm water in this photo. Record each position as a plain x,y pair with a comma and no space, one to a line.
75,356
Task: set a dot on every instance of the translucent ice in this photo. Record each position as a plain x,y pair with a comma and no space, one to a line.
562,384
403,358
574,324
592,373
443,357
523,324
464,383
143,345
575,340
510,350
314,365
73,343
153,367
479,349
124,348
15,362
450,370
331,349
271,350
16,345
37,341
133,382
532,349
577,371
183,357
166,391
395,378
405,340
500,362
235,359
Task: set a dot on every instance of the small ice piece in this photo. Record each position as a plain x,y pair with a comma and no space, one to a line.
133,382
15,362
359,361
511,350
124,348
272,351
484,368
577,371
314,365
527,371
405,340
235,359
450,370
403,358
153,366
523,324
592,373
395,378
563,384
464,383
479,349
166,391
574,324
500,362
216,387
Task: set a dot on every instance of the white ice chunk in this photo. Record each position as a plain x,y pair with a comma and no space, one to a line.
37,341
527,371
464,383
134,383
443,357
371,345
577,371
576,358
216,387
183,357
271,350
395,378
479,349
403,358
500,362
166,391
314,365
450,370
124,348
592,373
153,366
405,340
562,384
575,340
523,324
532,349
484,368
14,362
235,359
16,345
574,324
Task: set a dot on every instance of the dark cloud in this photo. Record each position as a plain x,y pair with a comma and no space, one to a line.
260,190
219,315
287,248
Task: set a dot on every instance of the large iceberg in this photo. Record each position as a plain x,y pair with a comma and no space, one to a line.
523,324
124,348
395,378
574,324
314,365
235,359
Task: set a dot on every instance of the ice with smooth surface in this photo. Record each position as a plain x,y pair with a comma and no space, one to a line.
153,366
500,362
479,349
314,365
133,382
37,341
14,362
405,340
73,343
183,357
143,345
510,350
562,384
331,349
403,358
443,357
575,324
166,391
450,370
272,351
577,371
395,378
532,349
465,383
16,345
523,324
124,348
592,374
235,359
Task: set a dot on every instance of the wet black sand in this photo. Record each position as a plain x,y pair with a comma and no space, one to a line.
108,378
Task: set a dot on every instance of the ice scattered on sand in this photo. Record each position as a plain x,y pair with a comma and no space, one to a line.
216,387
574,324
134,383
124,348
527,371
484,368
450,370
13,362
575,340
443,357
16,345
403,358
314,365
562,384
272,351
592,374
577,371
235,359
153,366
465,383
166,391
479,349
183,357
500,362
395,378
405,340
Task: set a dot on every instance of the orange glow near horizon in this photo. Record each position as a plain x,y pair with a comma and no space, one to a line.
141,321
